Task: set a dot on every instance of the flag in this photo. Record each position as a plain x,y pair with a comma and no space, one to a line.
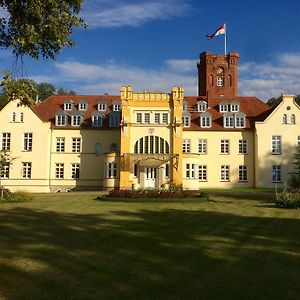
220,30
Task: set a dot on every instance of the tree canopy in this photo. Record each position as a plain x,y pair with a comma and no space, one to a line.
39,28
275,101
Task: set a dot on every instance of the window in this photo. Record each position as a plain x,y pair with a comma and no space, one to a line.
77,120
135,170
186,120
223,107
243,147
60,144
165,118
220,81
147,118
234,107
27,143
61,120
21,117
240,120
157,118
113,147
186,146
116,107
202,146
284,119
224,173
205,121
276,173
26,170
13,117
75,171
224,146
97,120
201,106
276,144
76,142
157,144
111,170
184,106
5,143
59,171
114,120
190,171
298,141
293,119
82,105
68,105
167,171
202,171
139,118
101,106
243,173
228,121
5,172
98,149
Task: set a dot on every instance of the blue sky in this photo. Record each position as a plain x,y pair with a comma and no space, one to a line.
155,44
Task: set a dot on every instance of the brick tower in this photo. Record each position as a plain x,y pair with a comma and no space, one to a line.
218,75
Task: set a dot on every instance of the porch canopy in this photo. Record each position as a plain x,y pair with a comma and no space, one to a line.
150,159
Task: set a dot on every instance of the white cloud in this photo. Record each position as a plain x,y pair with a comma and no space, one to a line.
271,79
106,14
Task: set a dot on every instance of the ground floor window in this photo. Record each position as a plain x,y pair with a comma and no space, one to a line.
224,173
276,173
202,170
26,170
5,172
59,171
190,171
243,173
75,171
111,170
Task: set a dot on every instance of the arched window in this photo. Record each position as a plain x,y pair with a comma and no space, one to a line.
293,119
21,117
186,119
13,117
284,119
151,144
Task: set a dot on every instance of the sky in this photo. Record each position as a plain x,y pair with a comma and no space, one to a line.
155,45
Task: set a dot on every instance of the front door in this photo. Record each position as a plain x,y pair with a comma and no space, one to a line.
150,177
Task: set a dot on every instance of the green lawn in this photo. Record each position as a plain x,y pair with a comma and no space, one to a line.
74,247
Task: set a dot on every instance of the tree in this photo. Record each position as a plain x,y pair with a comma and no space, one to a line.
62,91
275,101
5,161
39,28
45,90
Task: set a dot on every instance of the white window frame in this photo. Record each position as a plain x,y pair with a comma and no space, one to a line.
59,170
157,118
101,107
202,173
205,122
60,120
76,144
76,120
190,171
243,173
82,106
116,107
243,147
224,173
202,146
13,117
223,107
165,118
224,146
5,141
186,120
60,144
111,170
284,119
293,119
228,121
97,121
186,146
27,141
220,81
26,170
75,171
276,173
139,118
147,118
68,106
5,172
276,145
240,121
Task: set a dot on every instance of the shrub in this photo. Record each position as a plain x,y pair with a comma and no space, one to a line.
17,197
150,193
288,199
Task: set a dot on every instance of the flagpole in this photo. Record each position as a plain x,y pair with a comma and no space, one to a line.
225,39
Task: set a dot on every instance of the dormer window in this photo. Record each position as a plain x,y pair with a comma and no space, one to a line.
223,107
61,118
186,120
76,119
97,119
68,105
83,105
201,106
205,120
240,120
114,119
117,106
184,106
234,107
101,106
228,120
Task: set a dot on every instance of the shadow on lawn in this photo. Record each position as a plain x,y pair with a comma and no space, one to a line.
166,254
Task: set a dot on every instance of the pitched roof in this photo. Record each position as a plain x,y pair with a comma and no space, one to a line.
252,107
50,106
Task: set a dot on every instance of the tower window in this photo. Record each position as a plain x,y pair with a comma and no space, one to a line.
220,81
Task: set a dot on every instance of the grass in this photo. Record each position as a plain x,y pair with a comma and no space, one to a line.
74,247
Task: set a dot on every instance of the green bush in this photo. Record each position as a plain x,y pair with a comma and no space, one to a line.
17,197
288,199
